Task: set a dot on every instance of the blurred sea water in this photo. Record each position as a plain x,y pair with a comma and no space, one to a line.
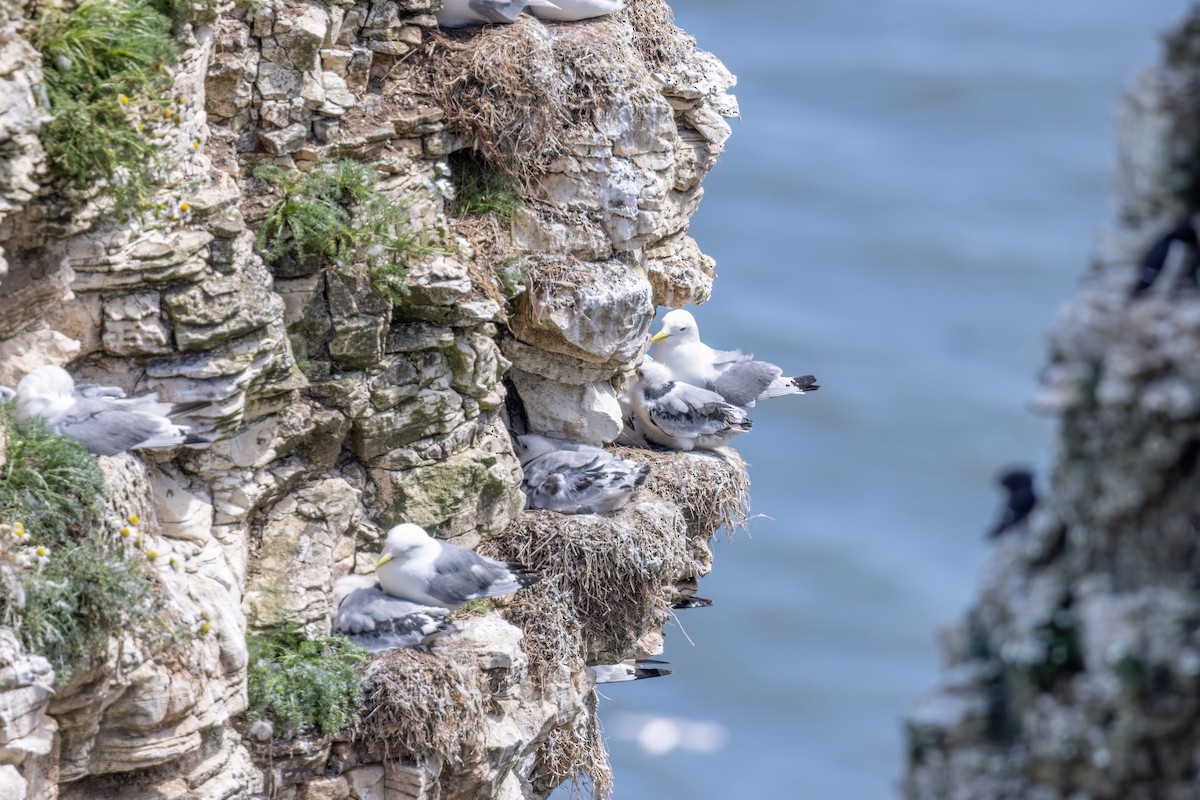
911,192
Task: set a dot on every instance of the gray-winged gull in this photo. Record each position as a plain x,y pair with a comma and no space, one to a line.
417,567
576,478
461,13
376,620
734,375
102,417
575,10
681,416
629,670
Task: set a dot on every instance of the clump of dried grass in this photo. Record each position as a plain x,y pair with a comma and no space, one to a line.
422,704
661,42
553,636
576,754
615,567
712,489
522,93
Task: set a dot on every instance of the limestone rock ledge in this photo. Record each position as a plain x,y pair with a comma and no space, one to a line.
339,412
1077,672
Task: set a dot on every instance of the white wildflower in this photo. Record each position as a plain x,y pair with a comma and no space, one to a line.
443,187
121,175
441,169
464,247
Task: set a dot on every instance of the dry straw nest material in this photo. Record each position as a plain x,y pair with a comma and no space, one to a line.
522,93
712,489
615,567
576,754
421,704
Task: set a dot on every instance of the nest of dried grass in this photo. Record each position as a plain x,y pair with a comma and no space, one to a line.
613,568
576,754
521,93
421,704
712,489
553,635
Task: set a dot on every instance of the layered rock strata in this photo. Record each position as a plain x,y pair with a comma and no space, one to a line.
338,412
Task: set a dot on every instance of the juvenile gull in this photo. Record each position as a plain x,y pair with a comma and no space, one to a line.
417,567
734,375
460,13
102,417
574,10
682,416
628,670
576,478
374,619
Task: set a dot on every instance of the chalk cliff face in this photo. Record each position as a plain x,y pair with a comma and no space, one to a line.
341,412
1077,672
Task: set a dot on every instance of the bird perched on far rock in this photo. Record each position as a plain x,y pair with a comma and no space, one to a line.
374,619
575,10
576,478
415,566
734,375
633,669
681,416
461,13
1019,504
102,417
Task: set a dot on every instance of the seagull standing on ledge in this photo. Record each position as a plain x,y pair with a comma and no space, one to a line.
415,566
734,375
102,417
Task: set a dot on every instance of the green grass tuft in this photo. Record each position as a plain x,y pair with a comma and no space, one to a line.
51,479
335,214
106,82
481,189
65,585
305,685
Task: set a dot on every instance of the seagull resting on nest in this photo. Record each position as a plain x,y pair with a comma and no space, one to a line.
374,619
461,13
682,416
102,417
576,478
734,375
575,10
415,566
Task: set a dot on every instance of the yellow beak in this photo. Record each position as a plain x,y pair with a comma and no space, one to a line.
383,559
658,337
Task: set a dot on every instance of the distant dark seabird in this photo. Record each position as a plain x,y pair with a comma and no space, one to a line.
1021,500
1156,257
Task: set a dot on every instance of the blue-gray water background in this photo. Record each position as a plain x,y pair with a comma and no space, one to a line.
911,192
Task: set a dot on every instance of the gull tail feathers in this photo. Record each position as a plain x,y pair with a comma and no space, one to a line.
692,602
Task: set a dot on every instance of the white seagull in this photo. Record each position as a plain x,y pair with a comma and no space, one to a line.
734,375
461,13
575,10
102,417
374,619
631,669
415,566
576,478
681,416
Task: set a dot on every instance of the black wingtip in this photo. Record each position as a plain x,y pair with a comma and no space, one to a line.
641,673
692,602
805,383
197,439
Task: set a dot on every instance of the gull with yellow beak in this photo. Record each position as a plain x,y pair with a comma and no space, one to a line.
734,375
415,566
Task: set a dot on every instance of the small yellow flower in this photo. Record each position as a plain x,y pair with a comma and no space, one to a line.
205,628
41,551
184,206
151,554
206,616
195,144
174,563
126,532
123,99
134,519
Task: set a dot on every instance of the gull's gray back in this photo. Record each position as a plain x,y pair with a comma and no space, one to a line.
498,10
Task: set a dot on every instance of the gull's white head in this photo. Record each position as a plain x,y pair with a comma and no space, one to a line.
679,326
45,392
404,542
531,446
